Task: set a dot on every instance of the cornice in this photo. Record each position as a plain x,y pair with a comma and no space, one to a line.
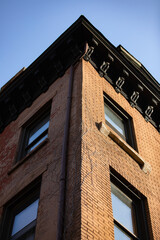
134,83
127,81
20,92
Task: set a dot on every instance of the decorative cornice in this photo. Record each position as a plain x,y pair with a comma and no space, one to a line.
134,97
129,81
88,54
36,79
130,84
128,78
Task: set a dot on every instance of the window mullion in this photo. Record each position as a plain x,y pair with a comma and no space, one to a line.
25,230
36,140
126,230
119,182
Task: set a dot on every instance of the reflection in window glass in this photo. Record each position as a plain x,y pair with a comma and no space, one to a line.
40,128
25,217
114,119
122,208
128,211
120,235
36,144
37,133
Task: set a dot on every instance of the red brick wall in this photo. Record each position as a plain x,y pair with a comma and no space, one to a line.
72,228
88,208
45,162
99,153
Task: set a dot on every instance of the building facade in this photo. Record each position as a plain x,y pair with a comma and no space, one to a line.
80,144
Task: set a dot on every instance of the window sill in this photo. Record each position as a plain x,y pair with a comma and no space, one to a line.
127,148
21,161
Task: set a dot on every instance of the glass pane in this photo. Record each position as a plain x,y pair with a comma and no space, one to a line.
37,143
122,208
120,235
25,217
38,129
114,119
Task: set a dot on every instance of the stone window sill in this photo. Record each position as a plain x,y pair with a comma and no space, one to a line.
27,156
127,148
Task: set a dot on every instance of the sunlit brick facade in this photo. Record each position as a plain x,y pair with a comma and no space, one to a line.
79,123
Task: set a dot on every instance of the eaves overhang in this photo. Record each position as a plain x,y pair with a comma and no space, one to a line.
128,78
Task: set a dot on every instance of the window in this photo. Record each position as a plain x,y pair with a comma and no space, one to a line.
20,216
128,212
34,132
24,222
119,121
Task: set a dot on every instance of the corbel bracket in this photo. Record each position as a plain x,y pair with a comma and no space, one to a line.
119,83
25,95
11,108
104,68
134,99
13,111
88,54
73,46
59,68
105,65
148,113
43,83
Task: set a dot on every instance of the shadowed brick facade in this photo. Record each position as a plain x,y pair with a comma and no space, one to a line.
84,67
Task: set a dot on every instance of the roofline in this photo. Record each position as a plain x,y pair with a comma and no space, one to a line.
99,36
43,54
20,92
138,63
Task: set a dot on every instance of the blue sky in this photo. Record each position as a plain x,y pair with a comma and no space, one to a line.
27,28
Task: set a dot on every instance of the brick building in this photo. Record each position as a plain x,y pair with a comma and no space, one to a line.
79,144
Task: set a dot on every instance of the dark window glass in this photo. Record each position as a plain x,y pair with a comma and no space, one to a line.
20,214
128,212
35,131
23,220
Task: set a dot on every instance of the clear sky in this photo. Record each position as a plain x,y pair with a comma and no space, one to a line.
27,28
